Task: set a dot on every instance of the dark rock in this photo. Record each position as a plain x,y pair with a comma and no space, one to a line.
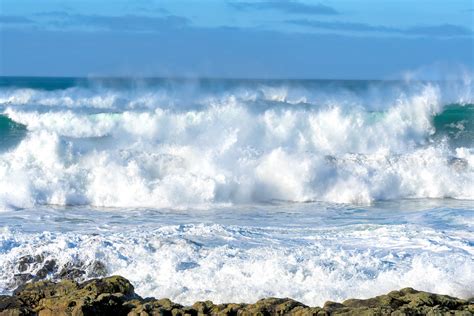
78,271
98,269
71,274
12,306
25,262
105,304
19,279
48,267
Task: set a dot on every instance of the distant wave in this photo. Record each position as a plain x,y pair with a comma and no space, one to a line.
183,145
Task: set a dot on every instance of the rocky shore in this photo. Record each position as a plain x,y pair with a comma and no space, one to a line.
115,295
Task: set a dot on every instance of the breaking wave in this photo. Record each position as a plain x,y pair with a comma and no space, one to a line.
184,144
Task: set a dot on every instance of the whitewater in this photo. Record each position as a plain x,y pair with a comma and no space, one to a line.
233,190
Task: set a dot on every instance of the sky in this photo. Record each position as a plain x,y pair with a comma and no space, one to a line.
331,39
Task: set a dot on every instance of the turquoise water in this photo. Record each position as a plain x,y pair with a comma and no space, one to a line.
456,122
232,190
11,133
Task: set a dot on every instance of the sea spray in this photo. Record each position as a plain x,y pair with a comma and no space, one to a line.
194,190
170,145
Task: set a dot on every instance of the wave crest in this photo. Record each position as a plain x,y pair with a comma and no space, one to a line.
153,149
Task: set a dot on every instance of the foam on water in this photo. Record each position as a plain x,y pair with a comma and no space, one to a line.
243,263
204,175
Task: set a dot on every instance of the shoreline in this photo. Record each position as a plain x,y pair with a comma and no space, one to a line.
115,295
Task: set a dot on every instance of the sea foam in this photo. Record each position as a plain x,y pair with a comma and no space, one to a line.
181,145
237,263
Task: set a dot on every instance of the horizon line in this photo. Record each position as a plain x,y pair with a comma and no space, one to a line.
190,78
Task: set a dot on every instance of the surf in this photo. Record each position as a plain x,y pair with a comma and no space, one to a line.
182,145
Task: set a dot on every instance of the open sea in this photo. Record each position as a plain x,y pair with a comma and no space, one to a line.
235,190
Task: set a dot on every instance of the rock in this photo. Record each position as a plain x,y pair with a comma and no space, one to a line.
94,297
19,279
406,301
48,267
203,307
113,284
274,306
71,274
25,262
12,306
98,269
116,296
79,270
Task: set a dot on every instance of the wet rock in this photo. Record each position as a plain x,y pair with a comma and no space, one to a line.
19,279
71,274
48,267
115,296
98,269
79,271
25,262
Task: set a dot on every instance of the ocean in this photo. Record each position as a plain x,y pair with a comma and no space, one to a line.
235,190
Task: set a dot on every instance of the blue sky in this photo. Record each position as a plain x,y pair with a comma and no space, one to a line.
343,39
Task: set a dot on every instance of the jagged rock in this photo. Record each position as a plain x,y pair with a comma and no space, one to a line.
115,296
79,270
25,262
71,274
49,267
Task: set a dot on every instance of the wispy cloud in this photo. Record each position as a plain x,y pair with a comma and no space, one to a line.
432,30
130,22
439,30
157,10
14,19
286,6
343,26
59,14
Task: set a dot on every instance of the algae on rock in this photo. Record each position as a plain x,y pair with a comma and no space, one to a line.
115,296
